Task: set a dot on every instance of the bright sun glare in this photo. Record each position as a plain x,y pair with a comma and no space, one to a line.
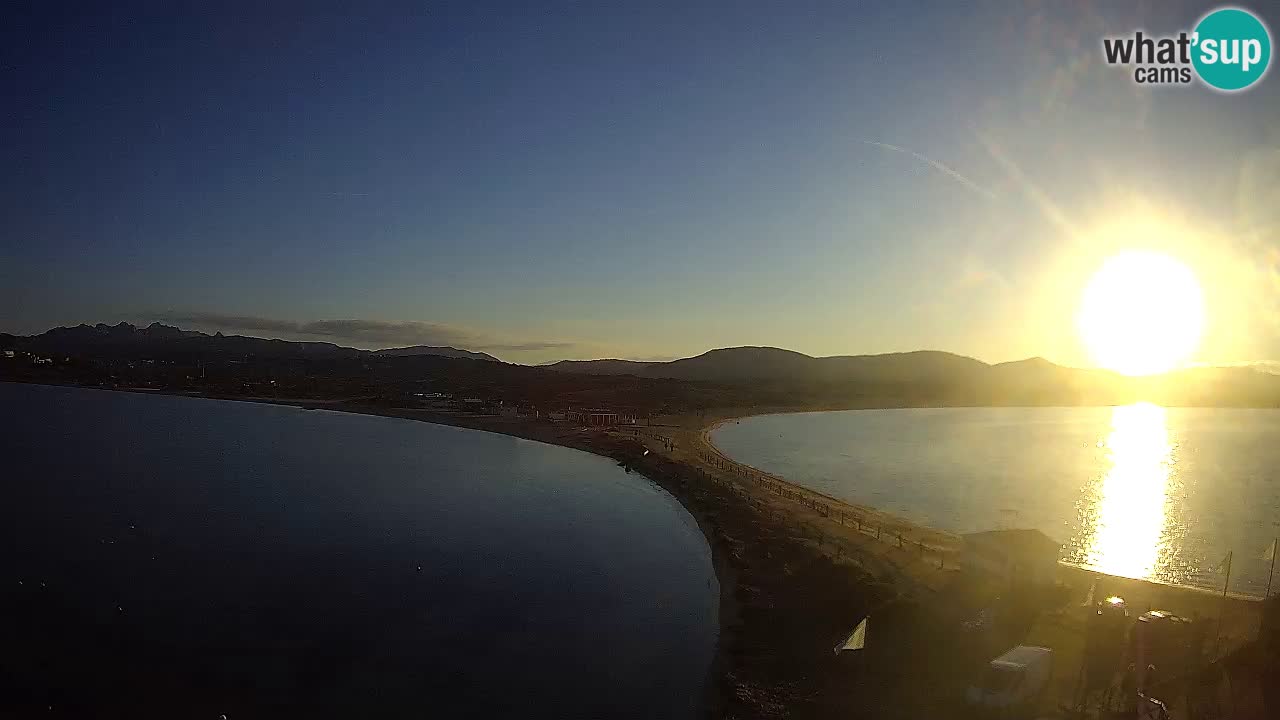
1142,313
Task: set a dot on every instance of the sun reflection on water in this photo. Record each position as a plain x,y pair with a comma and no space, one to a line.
1125,524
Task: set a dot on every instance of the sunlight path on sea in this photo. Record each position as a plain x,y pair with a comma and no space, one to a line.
1128,517
1139,490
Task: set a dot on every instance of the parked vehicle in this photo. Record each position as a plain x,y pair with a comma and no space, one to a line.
1013,681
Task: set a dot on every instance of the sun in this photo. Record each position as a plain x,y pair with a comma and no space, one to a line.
1142,313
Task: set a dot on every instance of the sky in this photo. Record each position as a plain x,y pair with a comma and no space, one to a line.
639,180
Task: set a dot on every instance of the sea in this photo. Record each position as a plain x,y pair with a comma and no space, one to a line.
1140,490
183,557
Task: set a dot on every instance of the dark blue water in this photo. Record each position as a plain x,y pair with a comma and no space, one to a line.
189,558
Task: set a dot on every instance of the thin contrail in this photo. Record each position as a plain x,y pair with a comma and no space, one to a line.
1042,200
948,171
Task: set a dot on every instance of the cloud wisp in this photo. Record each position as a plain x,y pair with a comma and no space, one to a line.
944,169
367,333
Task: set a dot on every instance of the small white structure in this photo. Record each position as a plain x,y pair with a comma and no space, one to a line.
1012,557
857,639
594,416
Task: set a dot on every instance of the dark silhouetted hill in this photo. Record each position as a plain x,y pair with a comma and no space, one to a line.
450,352
124,340
727,378
940,378
601,367
773,364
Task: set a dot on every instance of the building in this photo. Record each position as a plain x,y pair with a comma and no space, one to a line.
595,417
1012,557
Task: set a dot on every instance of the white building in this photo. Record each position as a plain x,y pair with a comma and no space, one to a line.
595,416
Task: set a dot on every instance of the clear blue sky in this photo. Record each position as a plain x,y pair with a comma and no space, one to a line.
550,180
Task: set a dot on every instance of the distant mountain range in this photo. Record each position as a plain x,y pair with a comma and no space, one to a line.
450,352
126,340
744,375
949,379
745,364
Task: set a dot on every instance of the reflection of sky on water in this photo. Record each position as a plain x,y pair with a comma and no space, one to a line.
1130,518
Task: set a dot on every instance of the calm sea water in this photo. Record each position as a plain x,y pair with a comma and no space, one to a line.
1141,491
190,558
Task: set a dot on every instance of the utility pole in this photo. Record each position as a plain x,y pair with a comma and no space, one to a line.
1222,609
1271,574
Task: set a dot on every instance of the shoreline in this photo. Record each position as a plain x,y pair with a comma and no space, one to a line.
795,567
1066,567
787,595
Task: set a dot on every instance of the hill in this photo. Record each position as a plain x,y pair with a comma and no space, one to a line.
158,341
939,378
160,356
450,352
744,364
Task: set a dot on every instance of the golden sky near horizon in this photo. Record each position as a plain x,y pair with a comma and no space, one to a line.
1150,292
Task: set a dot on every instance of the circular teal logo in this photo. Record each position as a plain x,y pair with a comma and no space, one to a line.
1232,49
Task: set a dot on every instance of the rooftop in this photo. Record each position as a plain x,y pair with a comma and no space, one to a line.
1021,656
1018,540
